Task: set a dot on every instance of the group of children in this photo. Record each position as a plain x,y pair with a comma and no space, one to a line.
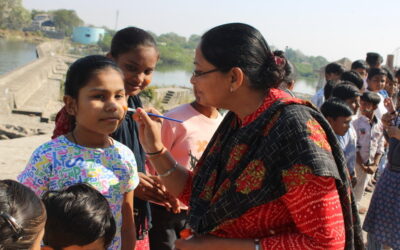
354,105
86,175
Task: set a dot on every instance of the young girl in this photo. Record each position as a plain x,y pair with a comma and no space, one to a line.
95,97
22,217
135,52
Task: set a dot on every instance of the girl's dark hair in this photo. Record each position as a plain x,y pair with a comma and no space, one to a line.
22,216
240,45
354,77
81,71
335,107
371,97
130,38
77,215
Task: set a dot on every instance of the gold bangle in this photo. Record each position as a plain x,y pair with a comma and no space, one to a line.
169,171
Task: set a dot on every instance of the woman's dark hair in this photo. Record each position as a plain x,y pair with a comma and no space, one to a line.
81,71
359,64
22,216
371,97
240,45
77,215
334,68
288,67
345,91
130,38
328,88
375,71
354,77
335,107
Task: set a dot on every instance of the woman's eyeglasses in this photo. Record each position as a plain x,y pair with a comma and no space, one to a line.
201,73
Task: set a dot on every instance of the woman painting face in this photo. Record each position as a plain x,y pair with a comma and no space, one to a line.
210,86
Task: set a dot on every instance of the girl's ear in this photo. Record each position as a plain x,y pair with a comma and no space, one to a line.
236,78
70,105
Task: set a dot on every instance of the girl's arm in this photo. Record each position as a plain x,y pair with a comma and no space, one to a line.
128,231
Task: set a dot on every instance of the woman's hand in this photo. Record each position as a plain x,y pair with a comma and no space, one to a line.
149,130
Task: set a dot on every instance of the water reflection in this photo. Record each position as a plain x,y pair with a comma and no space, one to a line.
14,54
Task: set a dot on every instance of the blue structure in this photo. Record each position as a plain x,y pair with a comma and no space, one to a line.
87,35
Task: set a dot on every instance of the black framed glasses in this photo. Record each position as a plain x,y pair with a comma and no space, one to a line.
12,223
201,73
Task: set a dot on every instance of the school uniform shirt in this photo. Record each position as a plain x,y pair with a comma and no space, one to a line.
370,139
348,143
319,98
61,163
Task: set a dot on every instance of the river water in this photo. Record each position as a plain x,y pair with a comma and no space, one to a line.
14,54
182,78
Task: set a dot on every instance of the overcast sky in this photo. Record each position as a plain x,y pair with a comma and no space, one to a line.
333,29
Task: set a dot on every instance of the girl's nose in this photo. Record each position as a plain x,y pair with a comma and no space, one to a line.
112,105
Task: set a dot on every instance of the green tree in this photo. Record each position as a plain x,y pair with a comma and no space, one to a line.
13,15
66,20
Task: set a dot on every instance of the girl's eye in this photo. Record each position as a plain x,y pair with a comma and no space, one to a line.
130,68
98,97
148,71
119,96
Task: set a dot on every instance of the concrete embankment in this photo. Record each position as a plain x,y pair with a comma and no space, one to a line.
32,87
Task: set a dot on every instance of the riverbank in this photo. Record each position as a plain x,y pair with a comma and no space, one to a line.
19,35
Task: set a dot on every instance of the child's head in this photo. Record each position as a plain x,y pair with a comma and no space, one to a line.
369,103
397,76
338,115
353,77
391,82
95,94
348,93
22,217
376,79
333,71
135,51
374,60
360,67
328,88
78,216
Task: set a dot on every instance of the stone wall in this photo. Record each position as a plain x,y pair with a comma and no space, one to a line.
18,86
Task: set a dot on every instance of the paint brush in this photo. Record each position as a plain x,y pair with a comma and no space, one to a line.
151,114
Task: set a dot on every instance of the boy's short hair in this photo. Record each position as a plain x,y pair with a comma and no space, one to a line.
353,77
345,91
374,59
77,215
335,108
334,68
329,86
389,74
371,97
397,73
375,71
359,64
